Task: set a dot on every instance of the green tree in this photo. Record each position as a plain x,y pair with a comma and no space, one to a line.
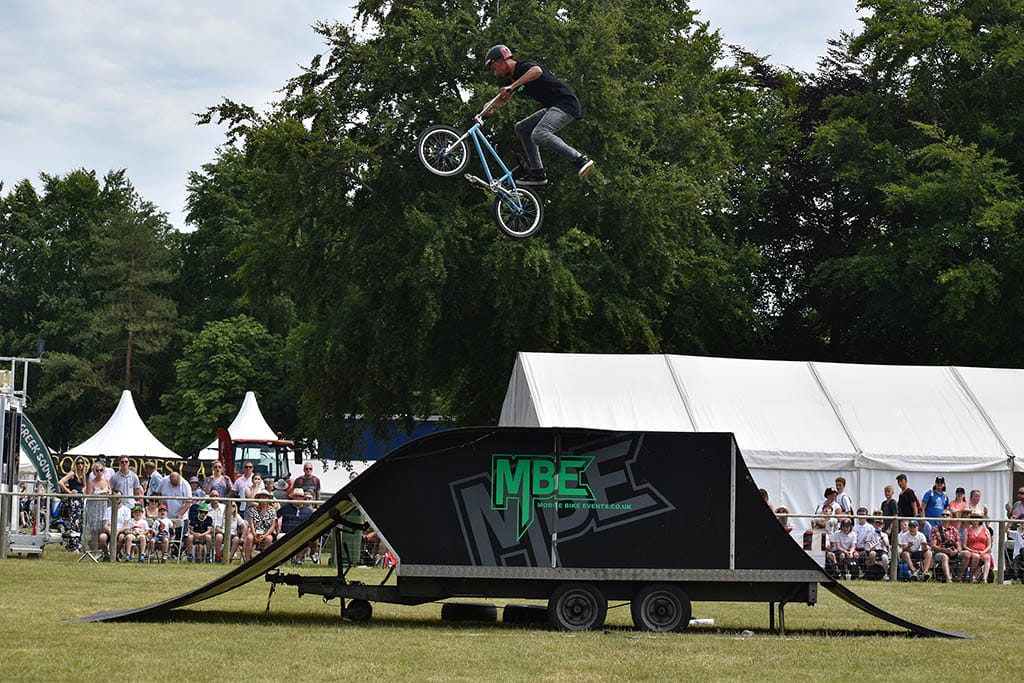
410,301
226,359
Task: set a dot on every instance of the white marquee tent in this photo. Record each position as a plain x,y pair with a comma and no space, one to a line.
798,424
248,424
124,434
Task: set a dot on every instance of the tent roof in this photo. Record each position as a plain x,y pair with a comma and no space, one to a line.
782,412
249,423
124,434
630,392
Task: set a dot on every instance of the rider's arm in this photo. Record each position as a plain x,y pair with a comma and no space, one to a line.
532,74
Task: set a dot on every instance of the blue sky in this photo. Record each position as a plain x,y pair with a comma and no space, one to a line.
111,84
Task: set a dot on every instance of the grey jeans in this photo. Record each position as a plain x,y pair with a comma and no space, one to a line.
539,128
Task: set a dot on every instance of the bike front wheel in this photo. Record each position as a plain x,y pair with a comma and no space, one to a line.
518,214
442,152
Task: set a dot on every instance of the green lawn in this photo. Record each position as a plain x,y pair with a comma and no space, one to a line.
305,639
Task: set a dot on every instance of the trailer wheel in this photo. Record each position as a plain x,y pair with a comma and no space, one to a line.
358,610
577,607
469,611
524,614
661,607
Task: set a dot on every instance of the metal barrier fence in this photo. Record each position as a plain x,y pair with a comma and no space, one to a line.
99,515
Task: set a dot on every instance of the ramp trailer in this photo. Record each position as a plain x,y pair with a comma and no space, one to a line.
575,517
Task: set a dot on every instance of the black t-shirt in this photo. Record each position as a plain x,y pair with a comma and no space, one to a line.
906,503
547,89
201,525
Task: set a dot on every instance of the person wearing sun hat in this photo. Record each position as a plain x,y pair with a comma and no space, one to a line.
200,534
262,527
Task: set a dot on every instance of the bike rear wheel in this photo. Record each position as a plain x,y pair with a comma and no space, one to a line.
520,221
437,153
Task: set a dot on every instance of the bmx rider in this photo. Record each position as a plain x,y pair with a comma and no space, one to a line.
561,107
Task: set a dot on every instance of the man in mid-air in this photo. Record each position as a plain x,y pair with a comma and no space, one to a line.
560,108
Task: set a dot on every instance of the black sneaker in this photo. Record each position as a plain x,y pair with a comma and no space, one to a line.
535,177
584,164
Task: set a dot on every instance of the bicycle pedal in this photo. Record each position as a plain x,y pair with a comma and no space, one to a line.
475,180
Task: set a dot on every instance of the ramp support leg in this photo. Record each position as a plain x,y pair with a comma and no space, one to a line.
771,616
782,618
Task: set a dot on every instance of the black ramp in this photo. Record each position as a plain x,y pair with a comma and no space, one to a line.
321,521
434,501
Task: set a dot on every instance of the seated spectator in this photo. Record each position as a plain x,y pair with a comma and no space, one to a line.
1016,511
782,514
844,546
946,548
124,521
979,545
862,528
238,531
217,515
163,527
876,549
262,525
138,534
280,491
200,534
914,546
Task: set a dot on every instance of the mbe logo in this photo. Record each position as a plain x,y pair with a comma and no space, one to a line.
510,514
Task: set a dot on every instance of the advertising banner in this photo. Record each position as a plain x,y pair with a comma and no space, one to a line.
33,446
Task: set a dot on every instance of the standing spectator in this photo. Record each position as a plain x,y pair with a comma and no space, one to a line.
258,486
150,478
974,505
74,482
289,520
888,508
217,482
829,500
280,491
979,545
104,471
126,483
862,529
934,501
914,546
97,511
843,500
196,486
908,503
959,502
240,489
152,510
307,482
945,545
174,485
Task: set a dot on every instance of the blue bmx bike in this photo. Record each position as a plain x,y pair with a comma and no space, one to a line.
444,151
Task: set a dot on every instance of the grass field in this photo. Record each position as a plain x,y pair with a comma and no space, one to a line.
231,637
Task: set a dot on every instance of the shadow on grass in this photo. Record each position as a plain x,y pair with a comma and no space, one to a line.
219,617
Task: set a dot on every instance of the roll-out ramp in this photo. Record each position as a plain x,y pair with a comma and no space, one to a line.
491,501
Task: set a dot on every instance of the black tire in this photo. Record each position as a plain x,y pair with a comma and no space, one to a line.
469,611
577,607
524,614
519,223
358,610
661,607
431,149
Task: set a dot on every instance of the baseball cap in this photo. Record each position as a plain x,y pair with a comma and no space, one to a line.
913,522
193,480
163,506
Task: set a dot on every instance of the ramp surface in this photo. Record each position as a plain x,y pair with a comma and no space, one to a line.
641,497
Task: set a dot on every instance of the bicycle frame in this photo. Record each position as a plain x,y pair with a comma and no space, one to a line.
503,184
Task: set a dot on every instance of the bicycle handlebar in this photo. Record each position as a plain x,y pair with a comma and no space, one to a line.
479,118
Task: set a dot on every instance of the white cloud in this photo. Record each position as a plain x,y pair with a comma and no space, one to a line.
791,32
116,84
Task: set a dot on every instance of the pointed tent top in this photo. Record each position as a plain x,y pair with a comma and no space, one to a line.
124,434
249,424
